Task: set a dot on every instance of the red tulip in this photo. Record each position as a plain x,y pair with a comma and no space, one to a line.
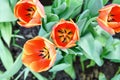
65,34
109,18
38,54
29,13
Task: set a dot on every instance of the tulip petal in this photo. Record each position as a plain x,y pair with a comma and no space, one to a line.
105,26
110,6
40,8
117,30
114,24
28,59
41,65
34,46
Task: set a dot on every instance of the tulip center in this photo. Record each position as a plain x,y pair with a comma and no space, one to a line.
114,15
44,53
26,11
30,11
111,18
65,35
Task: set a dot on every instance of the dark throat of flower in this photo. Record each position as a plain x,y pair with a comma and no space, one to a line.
65,35
44,53
31,11
110,18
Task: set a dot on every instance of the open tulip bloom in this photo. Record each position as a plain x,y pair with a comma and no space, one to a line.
38,54
109,18
29,13
65,34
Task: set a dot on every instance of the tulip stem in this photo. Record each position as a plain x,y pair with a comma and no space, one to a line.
118,71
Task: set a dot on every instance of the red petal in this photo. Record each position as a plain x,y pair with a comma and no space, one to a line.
105,26
33,46
41,65
28,59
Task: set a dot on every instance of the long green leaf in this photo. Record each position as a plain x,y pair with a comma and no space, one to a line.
38,76
6,31
70,71
5,56
102,76
13,70
59,67
6,14
116,77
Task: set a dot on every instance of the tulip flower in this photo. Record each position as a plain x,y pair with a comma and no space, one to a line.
29,13
39,54
65,34
109,18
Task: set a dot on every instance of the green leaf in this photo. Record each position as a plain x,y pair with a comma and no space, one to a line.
1,74
59,67
26,73
5,56
6,14
84,29
114,50
71,72
58,56
91,48
98,4
67,8
13,69
102,76
69,58
92,63
47,9
116,77
12,3
52,17
6,31
48,23
105,2
81,24
83,15
42,31
58,10
116,1
75,51
38,76
104,37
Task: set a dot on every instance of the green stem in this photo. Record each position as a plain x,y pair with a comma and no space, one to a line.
118,71
20,74
82,65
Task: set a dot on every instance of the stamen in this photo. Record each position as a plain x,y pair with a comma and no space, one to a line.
44,53
61,36
69,32
64,31
60,31
64,40
41,54
68,37
41,51
30,9
110,18
28,14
